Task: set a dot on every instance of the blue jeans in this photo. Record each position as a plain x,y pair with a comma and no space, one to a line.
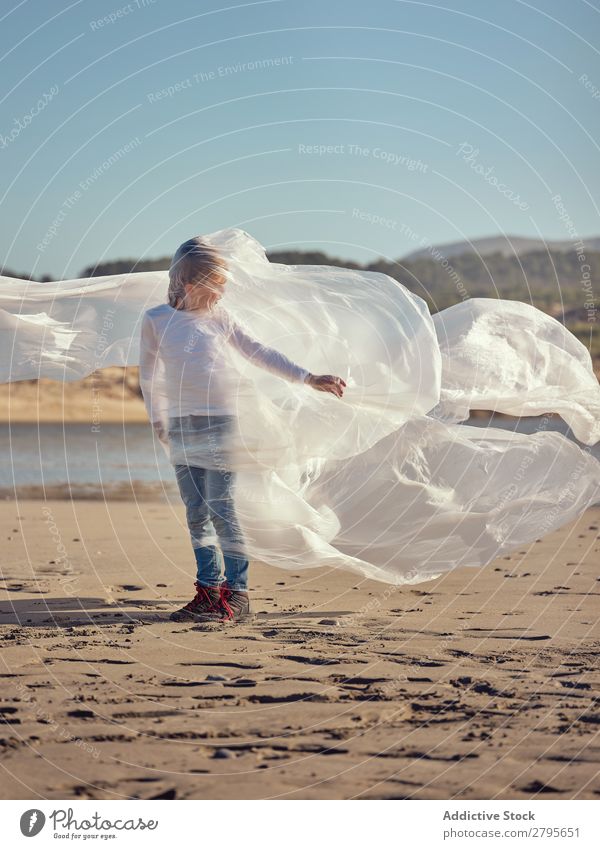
210,511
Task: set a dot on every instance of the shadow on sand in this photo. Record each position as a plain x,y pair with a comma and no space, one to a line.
71,612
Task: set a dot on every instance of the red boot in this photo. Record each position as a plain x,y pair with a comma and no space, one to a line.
235,605
205,605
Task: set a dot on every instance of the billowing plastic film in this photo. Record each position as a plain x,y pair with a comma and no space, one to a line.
384,481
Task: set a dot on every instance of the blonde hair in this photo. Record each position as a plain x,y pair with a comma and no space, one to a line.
193,262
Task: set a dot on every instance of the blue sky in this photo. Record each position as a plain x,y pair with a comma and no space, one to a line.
356,128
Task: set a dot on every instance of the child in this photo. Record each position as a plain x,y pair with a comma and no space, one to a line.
200,406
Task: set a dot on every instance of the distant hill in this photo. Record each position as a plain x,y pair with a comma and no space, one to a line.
547,280
504,245
493,249
550,279
311,258
126,266
24,275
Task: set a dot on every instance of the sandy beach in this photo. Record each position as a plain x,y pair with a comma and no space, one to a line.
482,684
106,395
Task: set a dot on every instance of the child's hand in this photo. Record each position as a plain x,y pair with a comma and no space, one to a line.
160,432
327,383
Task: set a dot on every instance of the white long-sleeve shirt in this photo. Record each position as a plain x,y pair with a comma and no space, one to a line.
185,363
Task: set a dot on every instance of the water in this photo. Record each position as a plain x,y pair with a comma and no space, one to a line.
532,424
123,461
47,460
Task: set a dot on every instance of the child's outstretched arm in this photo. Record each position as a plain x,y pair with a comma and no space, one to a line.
277,363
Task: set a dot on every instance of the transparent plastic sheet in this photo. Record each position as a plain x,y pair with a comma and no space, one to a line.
384,482
510,357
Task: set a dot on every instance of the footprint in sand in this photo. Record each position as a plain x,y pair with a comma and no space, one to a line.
536,786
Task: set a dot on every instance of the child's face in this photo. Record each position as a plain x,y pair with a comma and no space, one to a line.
204,295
